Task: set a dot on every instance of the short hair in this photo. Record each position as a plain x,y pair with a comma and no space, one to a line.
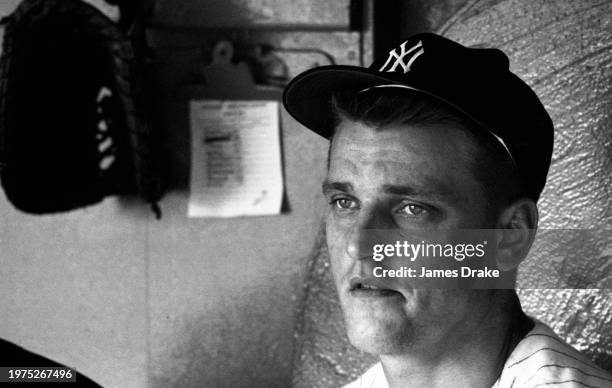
492,166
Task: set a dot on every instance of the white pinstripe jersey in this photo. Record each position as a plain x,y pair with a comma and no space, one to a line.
540,360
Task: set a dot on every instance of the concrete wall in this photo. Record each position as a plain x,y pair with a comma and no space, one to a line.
135,302
563,50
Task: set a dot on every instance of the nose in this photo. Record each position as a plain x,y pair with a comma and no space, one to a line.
355,247
363,235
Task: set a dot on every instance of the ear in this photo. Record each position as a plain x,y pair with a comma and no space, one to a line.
516,229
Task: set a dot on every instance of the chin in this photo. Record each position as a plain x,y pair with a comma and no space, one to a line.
379,336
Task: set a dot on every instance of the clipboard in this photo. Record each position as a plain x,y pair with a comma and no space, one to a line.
236,159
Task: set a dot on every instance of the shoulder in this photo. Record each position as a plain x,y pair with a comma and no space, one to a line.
543,359
372,378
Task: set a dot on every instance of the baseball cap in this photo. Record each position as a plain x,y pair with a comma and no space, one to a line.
474,81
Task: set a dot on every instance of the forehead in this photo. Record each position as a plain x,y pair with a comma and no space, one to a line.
435,156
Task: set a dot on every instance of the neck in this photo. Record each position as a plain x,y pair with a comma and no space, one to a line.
472,356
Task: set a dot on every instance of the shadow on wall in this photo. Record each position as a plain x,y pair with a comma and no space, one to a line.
188,29
175,68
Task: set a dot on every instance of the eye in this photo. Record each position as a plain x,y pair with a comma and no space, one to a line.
344,203
411,210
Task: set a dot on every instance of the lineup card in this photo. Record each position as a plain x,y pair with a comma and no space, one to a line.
236,165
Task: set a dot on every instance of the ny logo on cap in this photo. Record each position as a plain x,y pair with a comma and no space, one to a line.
413,53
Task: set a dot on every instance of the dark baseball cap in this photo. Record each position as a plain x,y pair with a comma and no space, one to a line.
474,81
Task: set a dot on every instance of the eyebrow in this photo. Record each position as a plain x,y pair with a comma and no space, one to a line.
329,186
439,192
400,190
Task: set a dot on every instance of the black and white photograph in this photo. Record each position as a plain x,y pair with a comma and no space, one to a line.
306,193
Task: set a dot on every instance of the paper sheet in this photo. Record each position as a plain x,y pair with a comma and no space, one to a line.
236,158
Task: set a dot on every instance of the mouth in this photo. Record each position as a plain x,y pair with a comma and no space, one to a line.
370,288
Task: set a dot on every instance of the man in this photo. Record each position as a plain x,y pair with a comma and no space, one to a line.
431,140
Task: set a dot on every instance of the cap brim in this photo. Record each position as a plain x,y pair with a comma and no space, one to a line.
307,97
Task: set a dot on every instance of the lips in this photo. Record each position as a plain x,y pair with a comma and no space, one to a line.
366,287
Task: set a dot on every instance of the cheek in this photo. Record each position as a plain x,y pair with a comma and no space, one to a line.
336,243
336,233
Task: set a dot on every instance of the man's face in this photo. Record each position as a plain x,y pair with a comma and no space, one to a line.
414,177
